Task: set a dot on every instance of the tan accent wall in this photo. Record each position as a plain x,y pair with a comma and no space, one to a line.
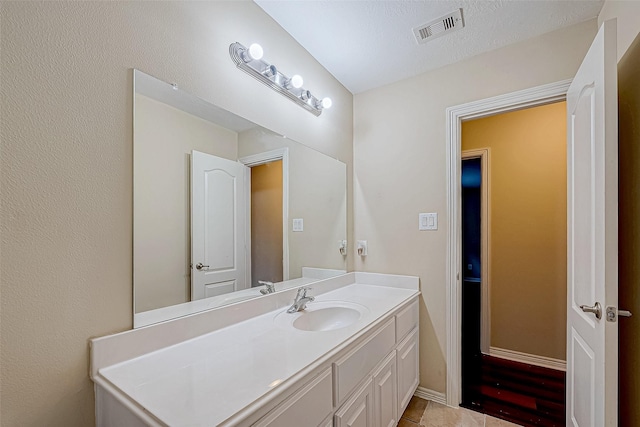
67,168
164,138
266,222
528,209
401,165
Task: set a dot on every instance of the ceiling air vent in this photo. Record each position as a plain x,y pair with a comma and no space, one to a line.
439,27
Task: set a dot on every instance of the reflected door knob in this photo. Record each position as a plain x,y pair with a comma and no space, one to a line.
596,309
201,266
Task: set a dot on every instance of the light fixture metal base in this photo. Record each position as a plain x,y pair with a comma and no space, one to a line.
268,75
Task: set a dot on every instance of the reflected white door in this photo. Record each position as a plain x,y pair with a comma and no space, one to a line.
592,157
218,226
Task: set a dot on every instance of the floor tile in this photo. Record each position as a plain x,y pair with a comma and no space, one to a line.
415,409
437,415
497,422
406,423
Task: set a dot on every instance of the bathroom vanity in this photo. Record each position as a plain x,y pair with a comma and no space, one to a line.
349,359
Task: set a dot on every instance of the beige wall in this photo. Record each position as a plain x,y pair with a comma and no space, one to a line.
528,243
66,167
164,138
400,164
627,13
266,222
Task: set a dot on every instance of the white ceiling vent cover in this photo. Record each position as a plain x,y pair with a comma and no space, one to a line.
439,27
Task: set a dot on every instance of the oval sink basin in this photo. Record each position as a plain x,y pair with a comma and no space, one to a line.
322,316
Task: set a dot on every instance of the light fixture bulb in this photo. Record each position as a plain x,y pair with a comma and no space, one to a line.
295,81
255,51
326,102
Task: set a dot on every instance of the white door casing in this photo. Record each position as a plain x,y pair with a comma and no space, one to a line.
526,98
218,226
592,235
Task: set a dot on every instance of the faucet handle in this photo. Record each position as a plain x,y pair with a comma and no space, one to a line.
264,282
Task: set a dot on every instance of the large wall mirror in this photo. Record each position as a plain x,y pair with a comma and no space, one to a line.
222,205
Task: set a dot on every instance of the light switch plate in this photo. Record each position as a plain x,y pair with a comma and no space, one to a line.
427,221
298,224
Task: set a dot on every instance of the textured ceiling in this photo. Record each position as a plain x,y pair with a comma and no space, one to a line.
369,43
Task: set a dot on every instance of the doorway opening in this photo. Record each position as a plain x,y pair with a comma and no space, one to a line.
514,301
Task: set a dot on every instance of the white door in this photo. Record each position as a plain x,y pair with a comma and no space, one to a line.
218,226
592,274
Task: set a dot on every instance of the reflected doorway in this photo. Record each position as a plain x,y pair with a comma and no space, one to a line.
266,223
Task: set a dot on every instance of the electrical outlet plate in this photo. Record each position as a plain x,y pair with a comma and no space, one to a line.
342,247
361,247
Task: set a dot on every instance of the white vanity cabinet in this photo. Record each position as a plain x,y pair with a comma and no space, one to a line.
408,369
358,410
252,370
407,356
369,382
311,405
385,393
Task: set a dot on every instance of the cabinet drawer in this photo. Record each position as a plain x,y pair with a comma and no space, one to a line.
308,406
351,369
406,320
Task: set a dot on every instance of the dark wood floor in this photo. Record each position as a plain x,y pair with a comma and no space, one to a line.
524,394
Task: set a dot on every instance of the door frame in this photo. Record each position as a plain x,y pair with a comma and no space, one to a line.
484,154
257,160
536,96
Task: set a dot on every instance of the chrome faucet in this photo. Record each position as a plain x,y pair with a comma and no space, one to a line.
300,303
269,287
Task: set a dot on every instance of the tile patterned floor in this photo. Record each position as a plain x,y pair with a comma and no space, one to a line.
425,413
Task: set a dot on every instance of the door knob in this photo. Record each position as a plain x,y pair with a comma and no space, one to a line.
613,313
201,266
596,309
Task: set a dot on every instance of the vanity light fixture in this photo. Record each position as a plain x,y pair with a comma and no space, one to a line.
250,61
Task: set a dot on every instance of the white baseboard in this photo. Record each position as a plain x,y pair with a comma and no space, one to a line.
516,356
435,396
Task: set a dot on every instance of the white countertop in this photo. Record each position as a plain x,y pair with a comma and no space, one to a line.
206,380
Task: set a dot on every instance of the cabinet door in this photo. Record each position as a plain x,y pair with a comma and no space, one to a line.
358,410
385,393
408,370
307,406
